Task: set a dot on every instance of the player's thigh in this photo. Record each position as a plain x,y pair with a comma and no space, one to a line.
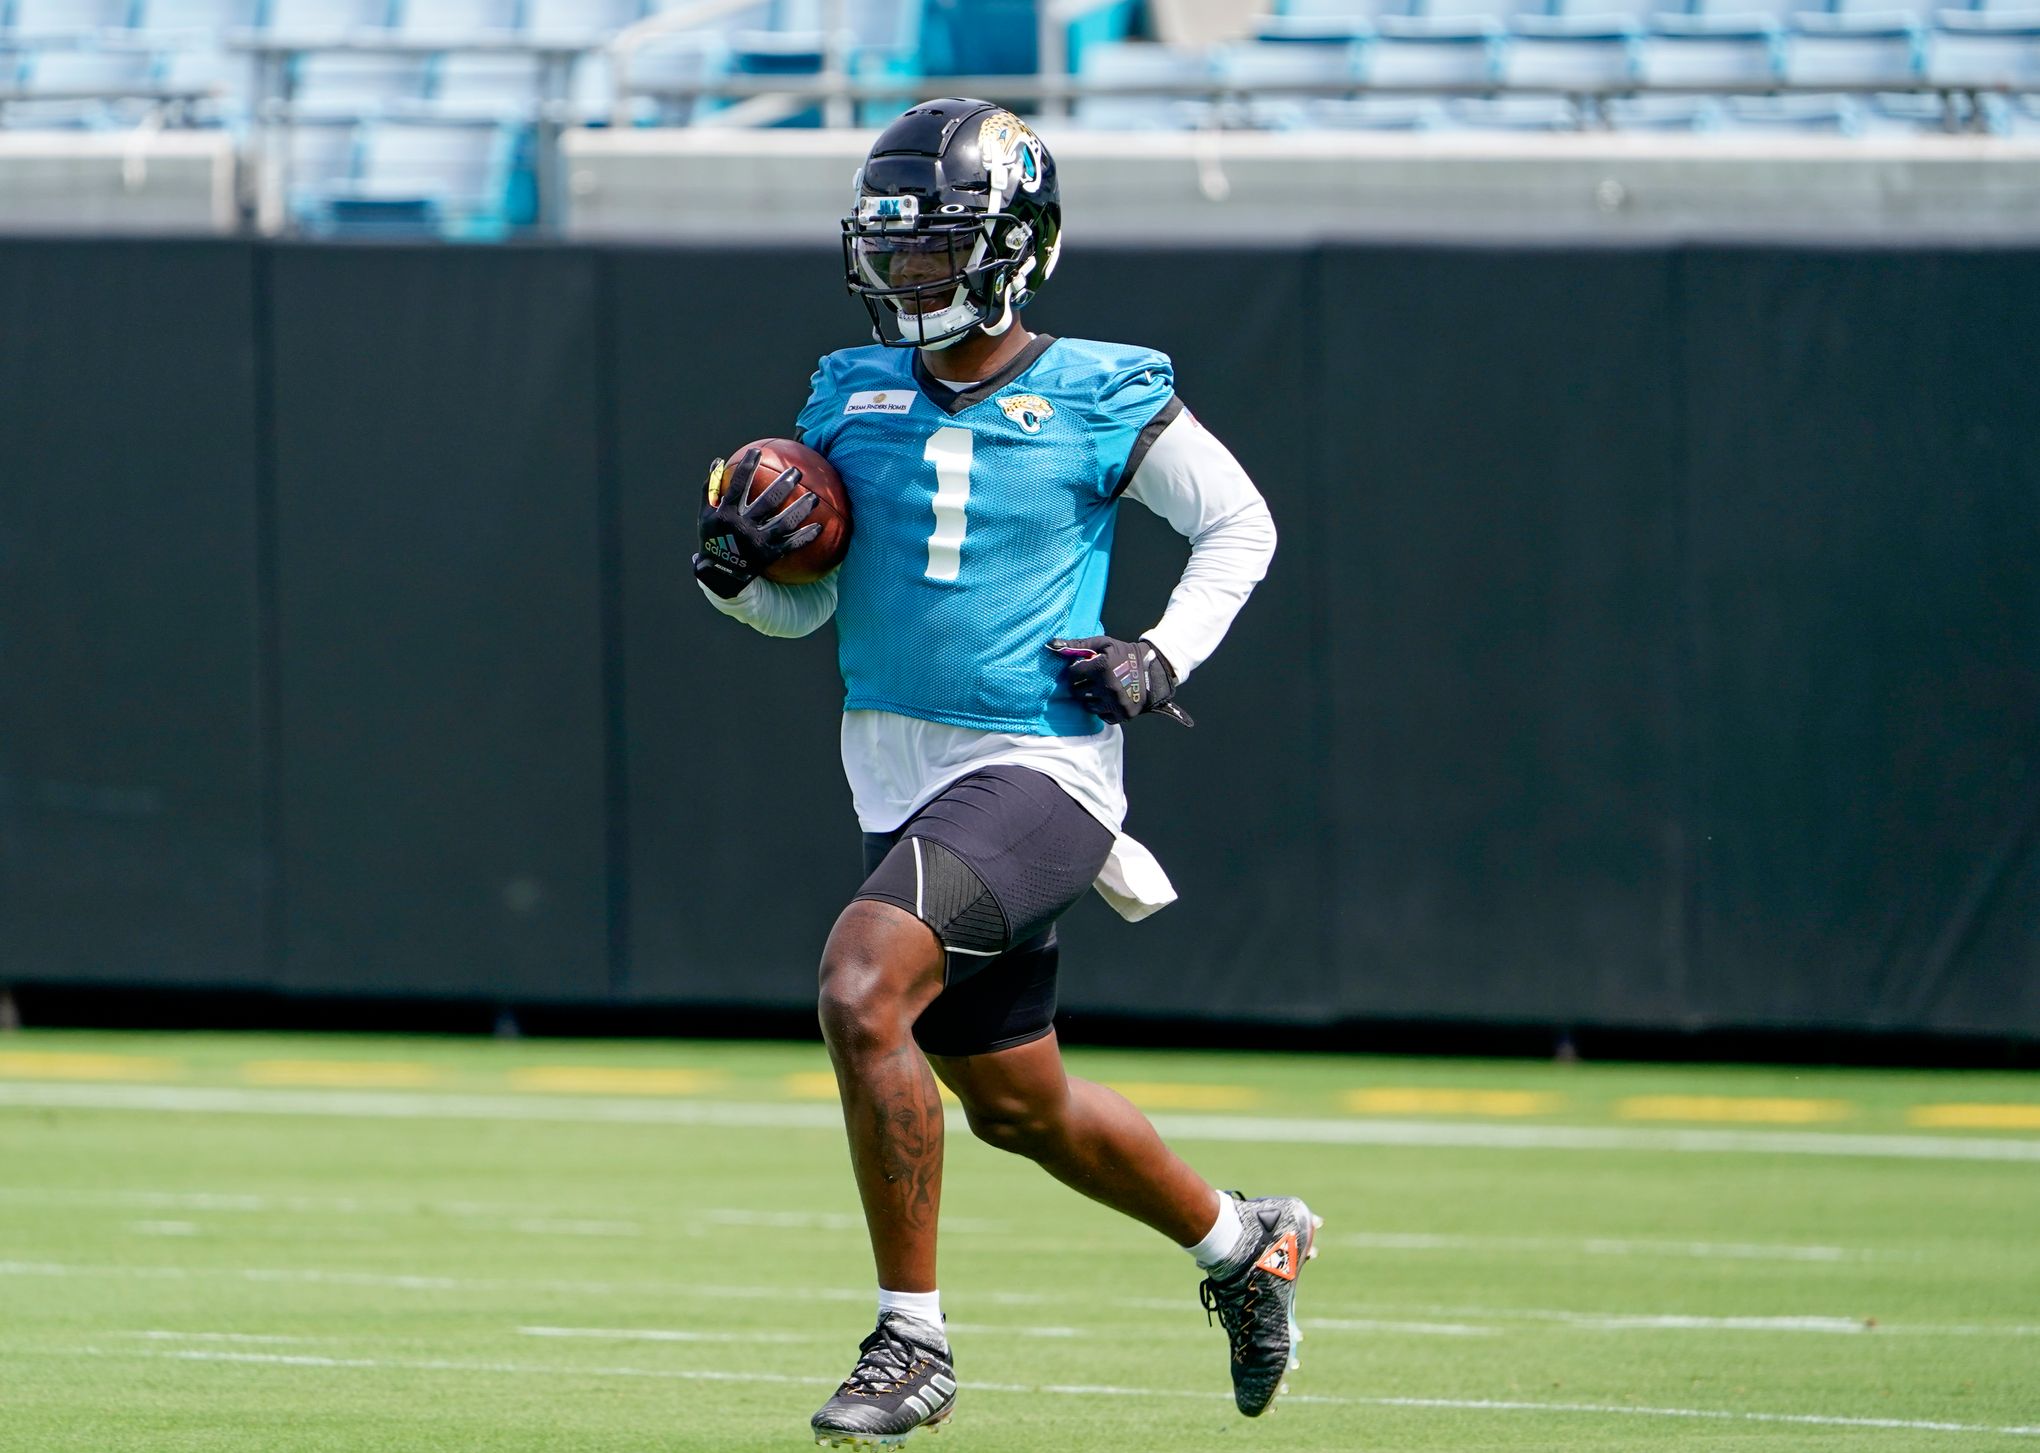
990,864
1025,1082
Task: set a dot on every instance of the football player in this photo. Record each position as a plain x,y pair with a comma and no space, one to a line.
982,725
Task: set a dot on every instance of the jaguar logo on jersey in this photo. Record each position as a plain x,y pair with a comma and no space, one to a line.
1029,411
881,401
1011,153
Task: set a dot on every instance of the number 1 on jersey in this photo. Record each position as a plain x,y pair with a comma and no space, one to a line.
949,451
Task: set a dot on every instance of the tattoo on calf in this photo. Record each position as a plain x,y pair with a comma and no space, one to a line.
907,1131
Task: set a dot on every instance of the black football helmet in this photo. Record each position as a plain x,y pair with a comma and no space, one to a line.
958,223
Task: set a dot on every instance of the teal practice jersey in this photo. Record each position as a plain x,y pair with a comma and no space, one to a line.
981,523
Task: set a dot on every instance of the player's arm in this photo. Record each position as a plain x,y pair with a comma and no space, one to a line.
742,534
1192,480
1181,472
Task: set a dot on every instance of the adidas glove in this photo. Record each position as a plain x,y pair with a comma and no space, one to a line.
739,540
1120,679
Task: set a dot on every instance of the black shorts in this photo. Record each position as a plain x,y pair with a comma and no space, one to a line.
990,865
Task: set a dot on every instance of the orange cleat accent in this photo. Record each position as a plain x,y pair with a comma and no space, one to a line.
1280,1258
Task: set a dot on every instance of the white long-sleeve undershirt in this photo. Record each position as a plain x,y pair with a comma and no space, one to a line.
895,764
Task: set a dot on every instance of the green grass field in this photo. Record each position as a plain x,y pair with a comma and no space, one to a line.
352,1244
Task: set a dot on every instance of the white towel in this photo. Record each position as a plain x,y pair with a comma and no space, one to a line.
1133,882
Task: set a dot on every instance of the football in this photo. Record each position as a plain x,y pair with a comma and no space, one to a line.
832,507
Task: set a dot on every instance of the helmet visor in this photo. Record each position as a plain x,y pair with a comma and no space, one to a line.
921,270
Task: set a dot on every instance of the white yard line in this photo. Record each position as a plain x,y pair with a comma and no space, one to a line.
156,1335
1687,1322
1465,1319
1422,1134
578,1228
679,1334
668,1334
1399,1329
1483,1405
532,1220
1614,1246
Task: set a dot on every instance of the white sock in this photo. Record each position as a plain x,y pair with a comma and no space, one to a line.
923,1307
1223,1238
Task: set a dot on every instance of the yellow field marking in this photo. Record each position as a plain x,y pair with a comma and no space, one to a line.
1161,1095
615,1080
37,1064
1976,1117
1399,1100
1733,1109
346,1073
811,1085
821,1085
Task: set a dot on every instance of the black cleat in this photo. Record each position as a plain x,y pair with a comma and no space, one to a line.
1254,1296
901,1382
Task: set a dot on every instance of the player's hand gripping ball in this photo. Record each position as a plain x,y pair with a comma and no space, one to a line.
776,509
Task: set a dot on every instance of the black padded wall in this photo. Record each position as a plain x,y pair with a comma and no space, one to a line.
1862,506
1651,640
742,844
1505,661
131,736
438,477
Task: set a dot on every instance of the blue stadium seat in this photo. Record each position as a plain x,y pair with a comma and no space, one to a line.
1637,11
321,156
457,17
343,83
1565,50
1499,10
1002,37
81,70
231,74
1514,113
1852,50
1129,62
204,21
1774,12
591,95
313,18
479,86
1254,67
453,179
1380,113
1914,113
1312,30
49,19
1698,50
1412,51
683,59
1823,115
579,20
1663,113
1333,9
1965,48
1320,20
